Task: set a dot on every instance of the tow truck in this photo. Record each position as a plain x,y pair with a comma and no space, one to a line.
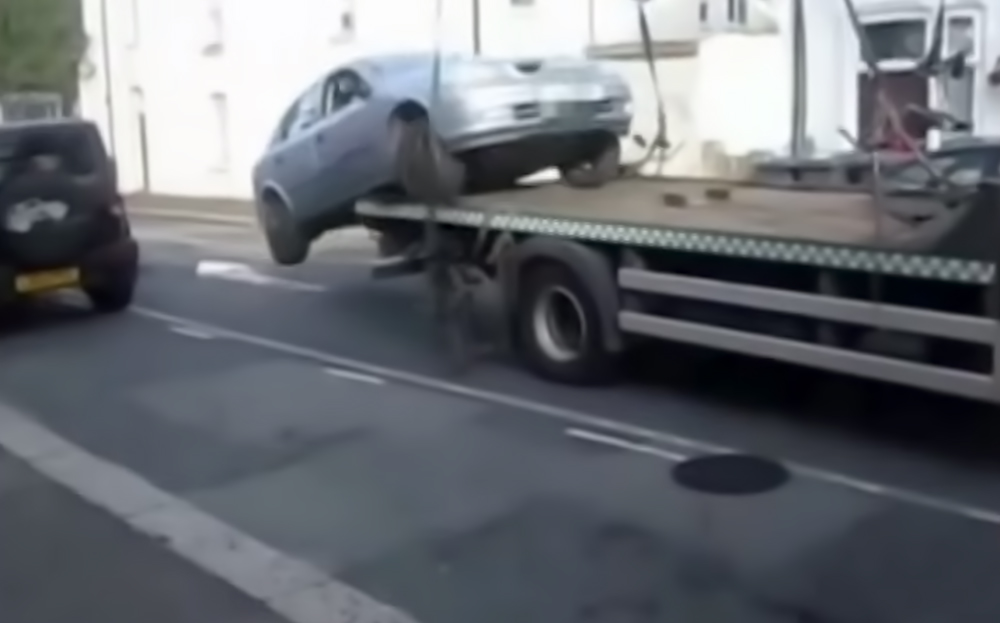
897,285
819,278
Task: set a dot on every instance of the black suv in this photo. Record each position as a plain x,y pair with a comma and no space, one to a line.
62,221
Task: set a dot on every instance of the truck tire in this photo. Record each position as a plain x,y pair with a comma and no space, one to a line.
599,169
287,243
424,168
557,328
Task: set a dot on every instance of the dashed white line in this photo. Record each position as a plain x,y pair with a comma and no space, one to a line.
196,333
624,444
354,376
578,418
245,273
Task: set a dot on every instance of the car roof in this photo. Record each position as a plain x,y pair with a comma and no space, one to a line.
405,61
50,122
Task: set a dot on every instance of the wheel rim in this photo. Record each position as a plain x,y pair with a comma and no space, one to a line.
560,325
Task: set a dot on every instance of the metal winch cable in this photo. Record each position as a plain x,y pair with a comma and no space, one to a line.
660,143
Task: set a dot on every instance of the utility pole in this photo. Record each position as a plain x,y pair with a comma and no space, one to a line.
477,28
106,62
799,84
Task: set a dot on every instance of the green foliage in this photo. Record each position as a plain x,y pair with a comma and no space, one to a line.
41,45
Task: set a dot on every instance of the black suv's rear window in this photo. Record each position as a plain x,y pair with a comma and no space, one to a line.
76,148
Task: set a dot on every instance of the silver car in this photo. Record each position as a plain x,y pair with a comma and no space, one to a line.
377,125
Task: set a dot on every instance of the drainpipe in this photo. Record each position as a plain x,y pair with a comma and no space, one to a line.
477,34
106,62
799,62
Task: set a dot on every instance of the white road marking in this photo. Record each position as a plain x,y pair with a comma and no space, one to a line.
354,376
624,444
192,332
579,418
238,271
291,587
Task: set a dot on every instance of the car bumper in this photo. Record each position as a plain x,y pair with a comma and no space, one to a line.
486,136
94,269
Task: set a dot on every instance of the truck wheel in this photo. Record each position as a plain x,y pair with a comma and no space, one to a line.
424,168
558,328
286,242
599,169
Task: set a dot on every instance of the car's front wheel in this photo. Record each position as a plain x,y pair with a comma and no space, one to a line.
424,168
599,167
286,241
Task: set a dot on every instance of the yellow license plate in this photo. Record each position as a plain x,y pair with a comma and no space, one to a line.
47,280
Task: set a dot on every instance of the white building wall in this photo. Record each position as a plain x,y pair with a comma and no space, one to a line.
735,93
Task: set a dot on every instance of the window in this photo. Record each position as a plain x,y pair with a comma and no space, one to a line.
216,27
896,40
220,118
340,15
133,24
959,94
736,11
285,125
958,91
341,89
960,36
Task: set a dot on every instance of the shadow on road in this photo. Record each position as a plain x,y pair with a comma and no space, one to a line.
894,415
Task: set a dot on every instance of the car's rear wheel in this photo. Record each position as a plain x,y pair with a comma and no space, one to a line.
287,243
599,167
424,168
114,291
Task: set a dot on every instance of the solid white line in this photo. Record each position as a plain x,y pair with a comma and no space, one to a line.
293,588
354,376
624,444
192,332
580,418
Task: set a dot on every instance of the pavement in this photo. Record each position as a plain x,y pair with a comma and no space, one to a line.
65,561
321,429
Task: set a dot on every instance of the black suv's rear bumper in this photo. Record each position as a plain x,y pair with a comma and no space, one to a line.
114,261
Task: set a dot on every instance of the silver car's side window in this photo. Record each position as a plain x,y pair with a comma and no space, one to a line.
340,89
285,125
308,111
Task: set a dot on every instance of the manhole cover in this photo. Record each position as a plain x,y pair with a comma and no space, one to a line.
730,474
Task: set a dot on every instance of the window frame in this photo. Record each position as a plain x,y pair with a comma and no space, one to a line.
899,63
973,66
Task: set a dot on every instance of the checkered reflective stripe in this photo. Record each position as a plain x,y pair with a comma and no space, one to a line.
846,258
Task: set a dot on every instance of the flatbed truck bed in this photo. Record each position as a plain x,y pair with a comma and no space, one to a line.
835,217
818,278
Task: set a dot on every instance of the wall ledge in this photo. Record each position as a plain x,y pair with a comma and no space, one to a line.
634,51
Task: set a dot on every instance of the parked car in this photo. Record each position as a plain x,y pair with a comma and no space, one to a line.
378,125
963,163
62,222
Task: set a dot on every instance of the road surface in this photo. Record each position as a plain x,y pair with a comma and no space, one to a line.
309,412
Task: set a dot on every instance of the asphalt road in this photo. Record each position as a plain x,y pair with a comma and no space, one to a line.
313,410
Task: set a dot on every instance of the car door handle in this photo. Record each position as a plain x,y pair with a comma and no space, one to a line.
279,159
319,138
